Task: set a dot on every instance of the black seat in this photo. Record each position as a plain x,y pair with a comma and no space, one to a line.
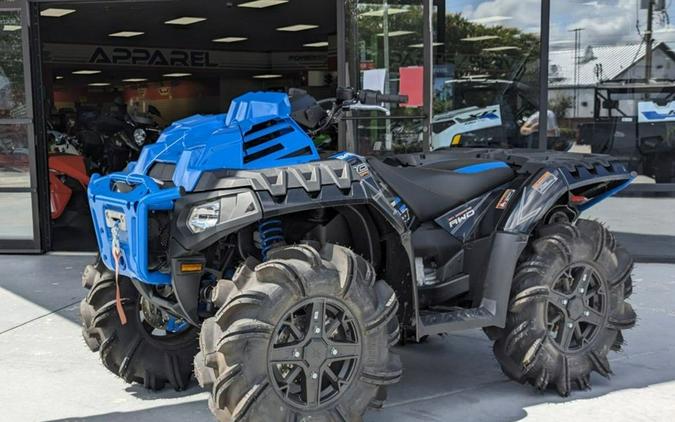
432,191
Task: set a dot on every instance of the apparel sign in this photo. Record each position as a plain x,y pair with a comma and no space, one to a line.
178,58
151,57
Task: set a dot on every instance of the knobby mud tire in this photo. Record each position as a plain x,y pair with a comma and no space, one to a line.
233,362
527,349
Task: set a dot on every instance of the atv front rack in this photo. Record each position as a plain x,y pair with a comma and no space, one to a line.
125,201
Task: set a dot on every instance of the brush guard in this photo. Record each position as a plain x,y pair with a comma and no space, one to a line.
129,211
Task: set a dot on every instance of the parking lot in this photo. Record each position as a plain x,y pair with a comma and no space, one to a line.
50,374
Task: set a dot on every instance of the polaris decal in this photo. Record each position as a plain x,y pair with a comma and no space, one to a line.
505,199
544,182
649,112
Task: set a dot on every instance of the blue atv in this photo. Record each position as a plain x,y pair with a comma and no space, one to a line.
284,280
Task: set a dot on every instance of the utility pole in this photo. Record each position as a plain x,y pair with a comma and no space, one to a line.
388,140
577,65
649,41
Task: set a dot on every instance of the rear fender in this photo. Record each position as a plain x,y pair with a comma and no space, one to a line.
578,188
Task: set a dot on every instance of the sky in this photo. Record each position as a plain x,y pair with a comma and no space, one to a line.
604,22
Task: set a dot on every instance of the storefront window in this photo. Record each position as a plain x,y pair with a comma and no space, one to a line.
16,218
14,157
12,88
486,73
16,195
385,44
611,87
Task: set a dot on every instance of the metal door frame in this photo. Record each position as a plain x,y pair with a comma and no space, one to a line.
22,245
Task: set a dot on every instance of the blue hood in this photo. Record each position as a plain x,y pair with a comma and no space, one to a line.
257,132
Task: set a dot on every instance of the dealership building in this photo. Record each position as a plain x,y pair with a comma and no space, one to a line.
65,65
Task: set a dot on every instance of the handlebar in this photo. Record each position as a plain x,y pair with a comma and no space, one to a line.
368,97
349,99
375,97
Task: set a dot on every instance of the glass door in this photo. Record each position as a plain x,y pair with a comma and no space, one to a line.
486,75
18,190
385,52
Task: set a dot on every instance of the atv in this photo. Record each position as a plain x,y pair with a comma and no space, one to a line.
284,281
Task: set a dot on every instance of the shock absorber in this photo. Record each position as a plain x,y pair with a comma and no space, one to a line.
271,234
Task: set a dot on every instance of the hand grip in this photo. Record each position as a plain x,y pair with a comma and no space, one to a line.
370,97
395,99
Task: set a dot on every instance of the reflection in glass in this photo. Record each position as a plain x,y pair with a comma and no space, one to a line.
609,91
386,42
14,157
12,94
16,217
486,73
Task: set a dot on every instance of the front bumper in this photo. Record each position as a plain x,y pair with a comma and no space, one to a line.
131,208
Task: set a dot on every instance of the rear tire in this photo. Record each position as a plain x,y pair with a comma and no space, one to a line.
303,335
131,351
567,308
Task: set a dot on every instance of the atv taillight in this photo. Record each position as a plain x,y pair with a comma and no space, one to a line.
578,199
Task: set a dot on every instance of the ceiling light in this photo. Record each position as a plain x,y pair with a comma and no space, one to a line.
58,78
126,34
317,44
296,28
135,80
230,39
504,48
267,76
11,28
176,75
480,38
56,13
491,19
396,33
380,13
86,72
421,45
260,4
100,84
185,20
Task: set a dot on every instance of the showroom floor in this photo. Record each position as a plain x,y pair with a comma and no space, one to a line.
49,374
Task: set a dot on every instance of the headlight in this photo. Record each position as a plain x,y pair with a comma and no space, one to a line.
236,209
140,136
203,217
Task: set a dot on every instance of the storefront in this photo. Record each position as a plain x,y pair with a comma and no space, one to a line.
472,70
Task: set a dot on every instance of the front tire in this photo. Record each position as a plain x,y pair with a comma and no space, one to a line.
567,308
135,352
303,335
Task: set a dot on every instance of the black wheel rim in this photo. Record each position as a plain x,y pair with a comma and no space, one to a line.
576,309
314,353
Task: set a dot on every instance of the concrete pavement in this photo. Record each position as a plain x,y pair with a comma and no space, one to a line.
645,226
50,374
